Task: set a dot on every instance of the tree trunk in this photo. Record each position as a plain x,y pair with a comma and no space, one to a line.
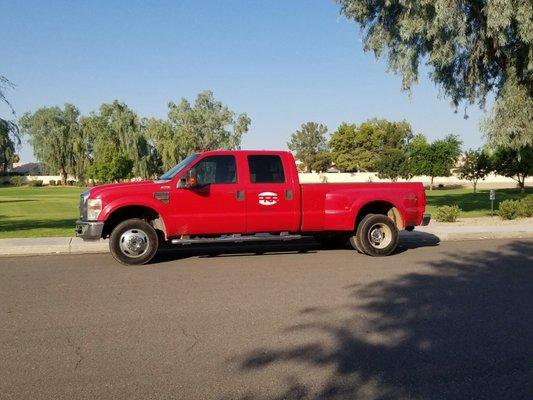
431,184
64,176
522,183
475,186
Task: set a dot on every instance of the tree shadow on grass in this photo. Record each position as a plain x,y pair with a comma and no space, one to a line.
460,329
476,201
7,225
16,201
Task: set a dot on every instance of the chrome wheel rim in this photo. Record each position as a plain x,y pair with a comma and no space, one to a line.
134,243
380,235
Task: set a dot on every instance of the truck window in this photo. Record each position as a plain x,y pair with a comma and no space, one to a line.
216,169
266,169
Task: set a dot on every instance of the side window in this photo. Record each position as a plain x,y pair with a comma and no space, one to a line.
266,169
216,169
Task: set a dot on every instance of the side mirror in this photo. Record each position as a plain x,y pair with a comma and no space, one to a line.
189,181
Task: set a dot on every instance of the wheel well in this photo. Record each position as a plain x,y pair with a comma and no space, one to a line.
380,207
145,213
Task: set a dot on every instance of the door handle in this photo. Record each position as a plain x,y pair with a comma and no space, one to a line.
239,195
288,194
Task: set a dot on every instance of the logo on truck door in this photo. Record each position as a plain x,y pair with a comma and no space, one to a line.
268,198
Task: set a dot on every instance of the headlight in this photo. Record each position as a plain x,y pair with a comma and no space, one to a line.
94,207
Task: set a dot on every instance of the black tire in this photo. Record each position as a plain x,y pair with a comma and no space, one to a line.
377,235
355,240
133,242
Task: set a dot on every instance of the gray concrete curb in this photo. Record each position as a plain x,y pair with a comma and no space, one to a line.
443,233
50,245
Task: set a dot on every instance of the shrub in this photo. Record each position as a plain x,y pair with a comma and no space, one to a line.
525,208
509,209
71,182
447,213
17,180
36,183
52,182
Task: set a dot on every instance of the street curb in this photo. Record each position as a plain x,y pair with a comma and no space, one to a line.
50,246
73,245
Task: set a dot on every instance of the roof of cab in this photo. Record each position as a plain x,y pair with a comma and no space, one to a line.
244,152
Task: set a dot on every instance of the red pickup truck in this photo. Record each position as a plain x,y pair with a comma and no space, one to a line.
238,196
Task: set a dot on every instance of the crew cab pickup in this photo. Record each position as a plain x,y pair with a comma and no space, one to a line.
238,196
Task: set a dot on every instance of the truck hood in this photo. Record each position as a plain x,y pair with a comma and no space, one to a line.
126,188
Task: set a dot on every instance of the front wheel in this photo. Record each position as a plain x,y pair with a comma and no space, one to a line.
377,235
133,242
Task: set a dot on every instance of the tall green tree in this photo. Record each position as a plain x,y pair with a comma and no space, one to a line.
118,127
394,164
510,124
52,132
207,124
513,163
9,132
476,165
470,47
360,148
309,144
110,166
434,159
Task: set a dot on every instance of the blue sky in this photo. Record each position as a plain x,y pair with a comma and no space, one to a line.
282,62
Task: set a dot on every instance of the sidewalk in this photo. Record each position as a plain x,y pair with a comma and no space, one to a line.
465,229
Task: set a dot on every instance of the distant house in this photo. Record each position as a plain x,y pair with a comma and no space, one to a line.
27,169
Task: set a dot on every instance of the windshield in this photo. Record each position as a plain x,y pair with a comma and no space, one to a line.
172,172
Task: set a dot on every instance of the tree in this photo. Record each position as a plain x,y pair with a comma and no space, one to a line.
394,164
435,159
206,125
470,47
118,127
515,164
322,162
52,133
9,132
510,123
308,143
360,148
111,166
476,165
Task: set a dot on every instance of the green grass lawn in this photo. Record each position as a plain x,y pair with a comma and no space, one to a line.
38,211
471,204
52,211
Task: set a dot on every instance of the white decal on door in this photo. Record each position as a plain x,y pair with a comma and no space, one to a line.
268,198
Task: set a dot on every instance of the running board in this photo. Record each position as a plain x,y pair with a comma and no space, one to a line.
260,237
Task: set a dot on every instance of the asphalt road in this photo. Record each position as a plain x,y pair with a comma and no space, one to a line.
446,321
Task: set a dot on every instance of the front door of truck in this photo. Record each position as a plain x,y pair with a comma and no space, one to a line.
215,204
271,205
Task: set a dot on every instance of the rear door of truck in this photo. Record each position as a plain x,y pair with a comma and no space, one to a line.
272,195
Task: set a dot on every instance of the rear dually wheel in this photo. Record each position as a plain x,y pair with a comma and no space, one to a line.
377,235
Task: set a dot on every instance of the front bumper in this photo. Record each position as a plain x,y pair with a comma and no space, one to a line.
89,230
425,219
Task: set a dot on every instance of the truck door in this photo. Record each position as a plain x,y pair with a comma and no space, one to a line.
271,204
216,205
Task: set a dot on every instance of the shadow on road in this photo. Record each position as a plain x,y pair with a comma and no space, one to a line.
409,240
461,328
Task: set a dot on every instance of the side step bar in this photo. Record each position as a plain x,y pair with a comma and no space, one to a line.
258,237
